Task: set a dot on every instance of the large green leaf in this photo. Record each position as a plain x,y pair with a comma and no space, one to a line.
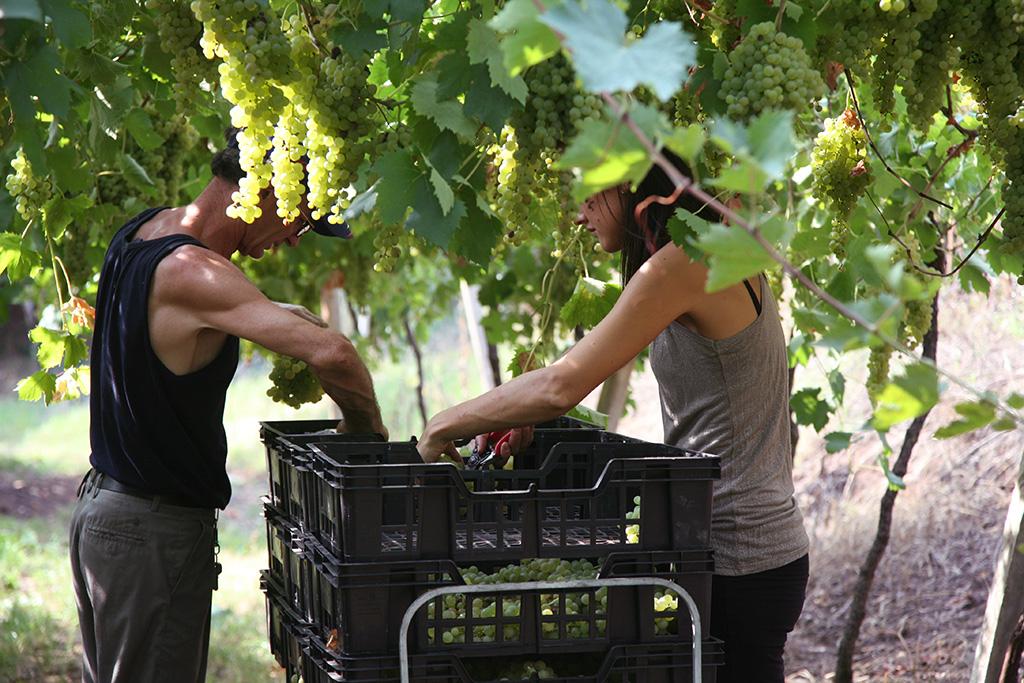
478,232
482,44
973,415
735,255
810,408
37,387
397,174
70,25
609,153
427,218
446,114
141,128
908,395
590,302
485,102
527,40
15,257
607,59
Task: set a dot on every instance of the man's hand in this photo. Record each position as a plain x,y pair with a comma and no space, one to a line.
303,313
520,438
342,428
431,447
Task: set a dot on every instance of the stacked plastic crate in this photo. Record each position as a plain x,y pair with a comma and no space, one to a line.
359,529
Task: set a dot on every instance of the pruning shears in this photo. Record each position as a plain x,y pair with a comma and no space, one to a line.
492,447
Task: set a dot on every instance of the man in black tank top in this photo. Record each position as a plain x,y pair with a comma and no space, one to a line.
171,308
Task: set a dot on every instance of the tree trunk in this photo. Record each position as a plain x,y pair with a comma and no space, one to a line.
477,338
994,654
612,401
492,358
414,345
866,576
1011,665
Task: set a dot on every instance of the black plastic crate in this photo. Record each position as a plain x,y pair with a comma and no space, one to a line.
285,554
360,607
285,440
620,664
288,633
380,502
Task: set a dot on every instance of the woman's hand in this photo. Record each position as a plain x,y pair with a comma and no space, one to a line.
520,438
431,447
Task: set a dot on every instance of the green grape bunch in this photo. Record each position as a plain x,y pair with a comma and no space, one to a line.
29,190
294,382
769,70
839,163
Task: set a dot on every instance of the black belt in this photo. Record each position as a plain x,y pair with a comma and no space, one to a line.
110,484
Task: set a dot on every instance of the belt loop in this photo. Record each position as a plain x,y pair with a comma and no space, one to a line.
82,484
96,481
155,505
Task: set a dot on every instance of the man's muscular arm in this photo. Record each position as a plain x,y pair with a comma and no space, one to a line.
201,289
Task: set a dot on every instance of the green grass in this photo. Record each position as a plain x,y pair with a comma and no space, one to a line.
38,621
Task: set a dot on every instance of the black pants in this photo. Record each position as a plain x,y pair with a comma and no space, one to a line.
753,615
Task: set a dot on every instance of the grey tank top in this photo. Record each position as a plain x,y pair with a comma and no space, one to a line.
730,398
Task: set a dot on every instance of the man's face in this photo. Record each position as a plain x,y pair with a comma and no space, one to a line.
269,231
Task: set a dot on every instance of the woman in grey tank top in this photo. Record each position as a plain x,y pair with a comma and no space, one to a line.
721,364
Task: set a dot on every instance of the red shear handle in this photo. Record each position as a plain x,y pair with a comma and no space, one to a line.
499,439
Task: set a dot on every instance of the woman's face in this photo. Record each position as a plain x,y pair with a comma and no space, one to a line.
603,214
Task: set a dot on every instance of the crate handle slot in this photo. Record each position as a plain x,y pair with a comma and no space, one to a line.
403,634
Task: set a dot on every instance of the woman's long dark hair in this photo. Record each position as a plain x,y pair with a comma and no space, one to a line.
641,241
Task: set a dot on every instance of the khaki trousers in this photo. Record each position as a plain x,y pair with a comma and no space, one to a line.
144,574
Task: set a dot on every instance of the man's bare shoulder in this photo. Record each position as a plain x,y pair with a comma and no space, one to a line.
191,274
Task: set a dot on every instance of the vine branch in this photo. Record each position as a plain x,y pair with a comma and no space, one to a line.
871,141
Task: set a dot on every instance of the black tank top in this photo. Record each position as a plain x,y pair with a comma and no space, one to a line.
151,429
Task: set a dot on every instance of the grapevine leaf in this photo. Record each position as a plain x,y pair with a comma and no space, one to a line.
837,382
21,9
51,346
61,212
794,11
800,351
973,279
395,187
477,233
361,38
973,415
43,72
687,142
736,255
527,40
590,302
482,44
609,153
71,26
408,11
795,22
607,59
75,351
36,387
442,190
141,128
1004,424
485,102
745,176
907,396
135,174
428,220
771,141
837,441
810,408
364,202
447,114
69,172
685,228
1015,401
589,415
24,116
15,258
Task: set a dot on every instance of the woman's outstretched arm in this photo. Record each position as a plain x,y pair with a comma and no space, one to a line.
662,290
